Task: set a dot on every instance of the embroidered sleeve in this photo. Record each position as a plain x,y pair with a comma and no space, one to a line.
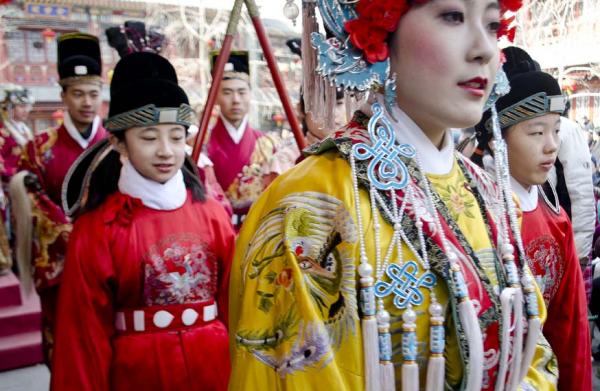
292,294
85,314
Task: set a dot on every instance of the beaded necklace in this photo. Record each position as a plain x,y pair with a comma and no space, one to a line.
387,171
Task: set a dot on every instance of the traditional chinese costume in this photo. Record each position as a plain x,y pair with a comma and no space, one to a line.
144,298
49,156
245,162
550,247
295,301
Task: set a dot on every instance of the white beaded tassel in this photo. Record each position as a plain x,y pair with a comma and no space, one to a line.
470,322
368,320
534,327
410,368
386,366
369,327
436,364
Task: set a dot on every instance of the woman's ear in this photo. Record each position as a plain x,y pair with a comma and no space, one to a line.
118,145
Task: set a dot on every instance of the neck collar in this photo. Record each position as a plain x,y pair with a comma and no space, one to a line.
236,134
433,160
170,195
528,199
76,135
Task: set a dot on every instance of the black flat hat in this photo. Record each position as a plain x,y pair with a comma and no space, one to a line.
141,79
78,56
533,93
237,66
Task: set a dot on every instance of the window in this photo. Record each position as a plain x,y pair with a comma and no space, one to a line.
15,46
36,50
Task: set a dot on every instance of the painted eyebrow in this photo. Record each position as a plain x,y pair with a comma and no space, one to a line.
492,5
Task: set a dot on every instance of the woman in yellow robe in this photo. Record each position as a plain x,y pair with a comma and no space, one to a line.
297,315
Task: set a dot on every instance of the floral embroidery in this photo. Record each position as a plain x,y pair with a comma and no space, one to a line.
547,265
457,198
179,269
272,155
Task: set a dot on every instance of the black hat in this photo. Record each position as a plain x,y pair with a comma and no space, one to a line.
237,67
532,94
144,92
518,61
79,59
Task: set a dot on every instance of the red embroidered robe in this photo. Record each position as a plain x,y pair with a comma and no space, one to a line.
550,247
124,255
49,156
244,170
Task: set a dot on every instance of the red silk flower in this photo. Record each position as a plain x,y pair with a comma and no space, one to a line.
377,18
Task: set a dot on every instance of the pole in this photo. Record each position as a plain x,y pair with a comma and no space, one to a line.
277,80
217,77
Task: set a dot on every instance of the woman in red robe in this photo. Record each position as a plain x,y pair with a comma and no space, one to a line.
143,303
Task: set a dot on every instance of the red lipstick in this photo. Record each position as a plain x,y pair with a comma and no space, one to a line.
475,86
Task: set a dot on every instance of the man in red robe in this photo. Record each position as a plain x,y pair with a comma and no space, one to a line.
48,157
245,160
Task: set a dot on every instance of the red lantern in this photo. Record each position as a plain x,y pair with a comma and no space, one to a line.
48,34
57,117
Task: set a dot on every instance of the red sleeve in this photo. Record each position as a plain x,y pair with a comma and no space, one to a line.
51,227
568,332
85,314
225,242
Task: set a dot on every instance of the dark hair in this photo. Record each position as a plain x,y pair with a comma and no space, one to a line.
105,178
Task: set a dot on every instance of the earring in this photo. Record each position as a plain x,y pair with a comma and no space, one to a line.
390,94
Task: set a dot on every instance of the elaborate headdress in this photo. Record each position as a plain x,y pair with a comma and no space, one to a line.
79,59
15,95
132,37
144,89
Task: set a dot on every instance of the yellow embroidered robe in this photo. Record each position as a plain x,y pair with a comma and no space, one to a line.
294,318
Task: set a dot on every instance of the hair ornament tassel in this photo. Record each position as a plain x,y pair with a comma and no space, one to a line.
390,95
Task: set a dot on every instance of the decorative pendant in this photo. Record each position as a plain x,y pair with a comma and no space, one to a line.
386,170
405,284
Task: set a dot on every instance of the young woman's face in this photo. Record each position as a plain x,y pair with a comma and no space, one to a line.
445,57
157,152
532,149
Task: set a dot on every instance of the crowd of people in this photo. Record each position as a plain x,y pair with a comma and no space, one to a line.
386,257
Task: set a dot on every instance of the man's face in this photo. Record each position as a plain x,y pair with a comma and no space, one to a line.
83,102
234,100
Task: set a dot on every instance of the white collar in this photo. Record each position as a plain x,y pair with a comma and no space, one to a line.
168,196
76,135
433,160
19,131
236,134
528,199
